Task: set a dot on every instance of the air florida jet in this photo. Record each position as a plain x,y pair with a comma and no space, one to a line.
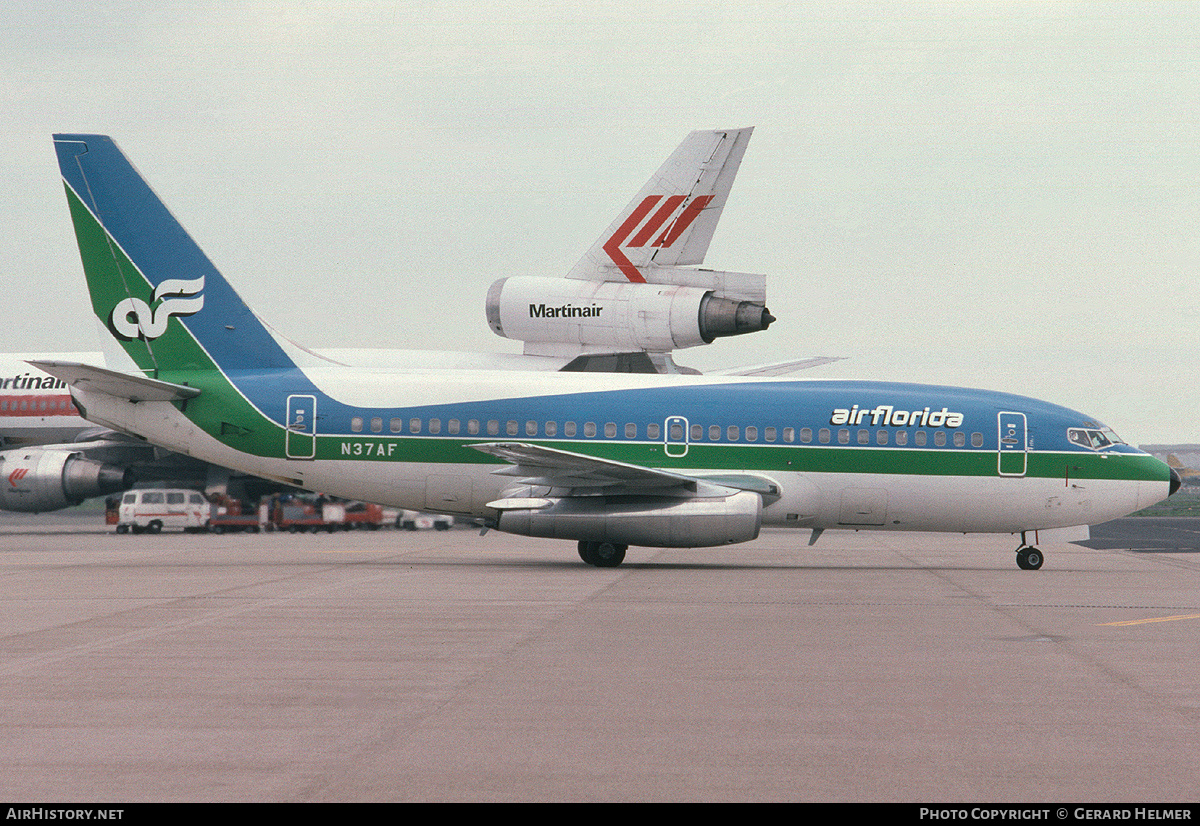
605,460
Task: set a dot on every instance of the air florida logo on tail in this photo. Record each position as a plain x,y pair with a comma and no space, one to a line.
644,236
133,318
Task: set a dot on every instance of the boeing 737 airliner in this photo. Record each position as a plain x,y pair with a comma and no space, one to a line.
607,460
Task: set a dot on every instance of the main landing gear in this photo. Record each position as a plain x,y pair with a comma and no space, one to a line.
602,554
1029,558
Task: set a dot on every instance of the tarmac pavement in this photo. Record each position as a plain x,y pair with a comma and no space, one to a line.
395,666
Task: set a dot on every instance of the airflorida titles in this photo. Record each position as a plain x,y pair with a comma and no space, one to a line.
888,415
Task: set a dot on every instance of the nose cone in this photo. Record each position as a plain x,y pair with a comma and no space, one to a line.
1176,482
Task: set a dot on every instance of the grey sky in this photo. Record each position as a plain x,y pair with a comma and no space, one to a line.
999,195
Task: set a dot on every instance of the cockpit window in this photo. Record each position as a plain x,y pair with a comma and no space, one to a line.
1097,439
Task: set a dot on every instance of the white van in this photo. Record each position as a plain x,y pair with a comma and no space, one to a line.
419,521
153,510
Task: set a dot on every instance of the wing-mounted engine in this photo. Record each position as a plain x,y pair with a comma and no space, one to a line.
664,521
567,495
563,316
37,479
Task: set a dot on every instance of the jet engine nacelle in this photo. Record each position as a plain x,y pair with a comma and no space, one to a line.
653,521
617,316
38,480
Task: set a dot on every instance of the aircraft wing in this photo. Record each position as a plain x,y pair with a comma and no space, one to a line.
777,368
538,465
547,466
113,383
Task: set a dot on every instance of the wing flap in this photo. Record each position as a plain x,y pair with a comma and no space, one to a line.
550,467
562,468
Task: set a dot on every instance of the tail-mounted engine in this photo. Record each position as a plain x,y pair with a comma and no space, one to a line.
562,315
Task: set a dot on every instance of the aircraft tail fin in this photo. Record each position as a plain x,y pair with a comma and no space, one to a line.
151,286
672,219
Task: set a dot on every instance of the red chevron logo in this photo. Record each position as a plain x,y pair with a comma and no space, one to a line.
674,229
17,475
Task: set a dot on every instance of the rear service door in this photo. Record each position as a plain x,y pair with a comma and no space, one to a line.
301,427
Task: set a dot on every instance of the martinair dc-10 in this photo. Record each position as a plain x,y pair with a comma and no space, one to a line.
607,460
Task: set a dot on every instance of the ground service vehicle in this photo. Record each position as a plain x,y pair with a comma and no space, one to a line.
232,515
416,520
151,511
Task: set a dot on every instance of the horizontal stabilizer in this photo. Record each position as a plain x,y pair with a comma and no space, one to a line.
112,383
740,285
